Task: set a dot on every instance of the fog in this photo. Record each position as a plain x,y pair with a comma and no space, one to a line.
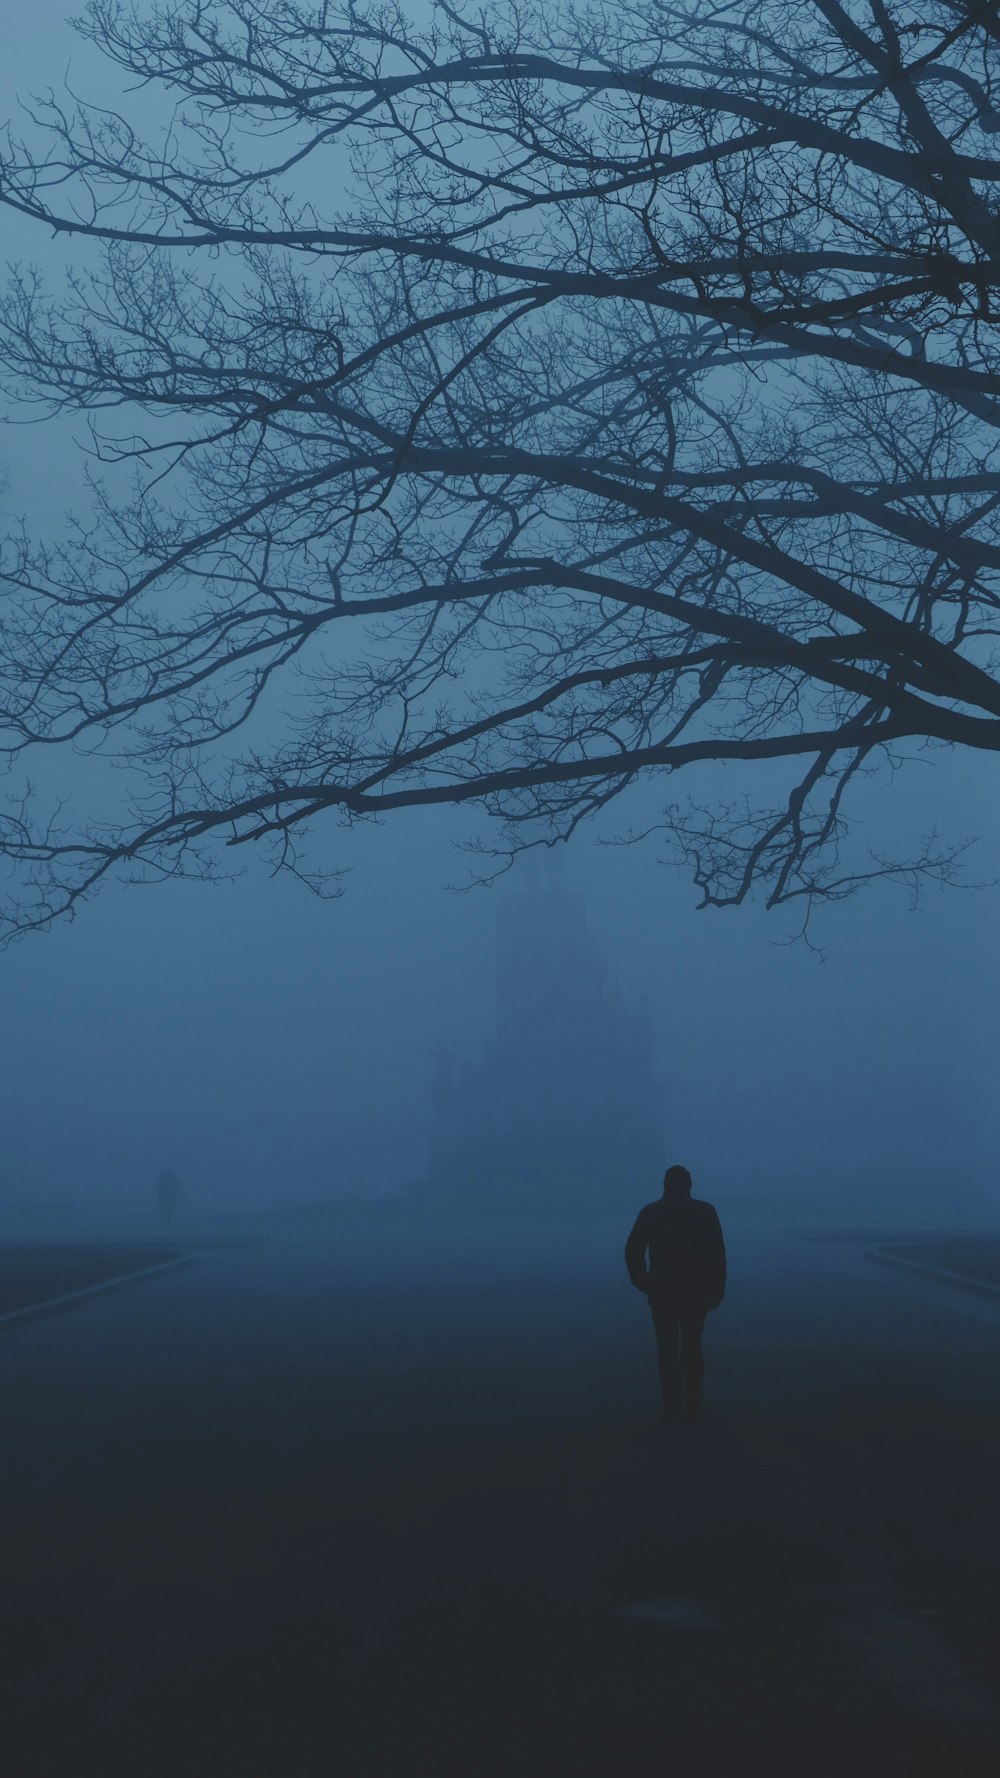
338,1436
275,1050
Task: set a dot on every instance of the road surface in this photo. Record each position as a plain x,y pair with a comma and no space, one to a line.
393,1499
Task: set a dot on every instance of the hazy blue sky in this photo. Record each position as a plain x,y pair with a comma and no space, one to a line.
273,1049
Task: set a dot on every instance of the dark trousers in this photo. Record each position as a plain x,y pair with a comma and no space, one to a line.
678,1330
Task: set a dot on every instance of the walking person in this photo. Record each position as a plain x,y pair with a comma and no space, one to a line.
683,1277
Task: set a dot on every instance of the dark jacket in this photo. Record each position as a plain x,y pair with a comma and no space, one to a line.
687,1256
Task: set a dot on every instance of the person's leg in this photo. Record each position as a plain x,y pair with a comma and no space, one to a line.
667,1328
692,1362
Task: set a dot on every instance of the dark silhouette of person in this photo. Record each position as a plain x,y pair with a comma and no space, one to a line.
685,1277
168,1192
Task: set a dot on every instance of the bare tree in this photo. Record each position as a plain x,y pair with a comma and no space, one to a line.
516,406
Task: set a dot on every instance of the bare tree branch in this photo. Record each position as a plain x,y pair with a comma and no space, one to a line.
631,406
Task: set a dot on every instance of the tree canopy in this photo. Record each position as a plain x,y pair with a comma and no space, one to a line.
515,404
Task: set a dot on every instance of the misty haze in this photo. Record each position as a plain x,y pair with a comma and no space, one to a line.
499,1202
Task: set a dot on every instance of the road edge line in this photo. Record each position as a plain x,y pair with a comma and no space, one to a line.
940,1274
11,1317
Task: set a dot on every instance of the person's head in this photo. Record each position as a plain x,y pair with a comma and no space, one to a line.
676,1183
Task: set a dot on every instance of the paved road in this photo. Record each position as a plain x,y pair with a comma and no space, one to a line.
37,1276
377,1502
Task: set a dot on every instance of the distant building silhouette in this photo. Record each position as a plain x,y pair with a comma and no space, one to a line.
563,1103
168,1194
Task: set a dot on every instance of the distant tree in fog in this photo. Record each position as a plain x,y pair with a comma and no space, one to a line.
515,404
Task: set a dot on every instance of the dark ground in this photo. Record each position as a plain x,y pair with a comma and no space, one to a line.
34,1272
969,1256
374,1504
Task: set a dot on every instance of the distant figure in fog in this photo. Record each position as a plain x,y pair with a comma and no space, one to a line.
168,1192
685,1277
